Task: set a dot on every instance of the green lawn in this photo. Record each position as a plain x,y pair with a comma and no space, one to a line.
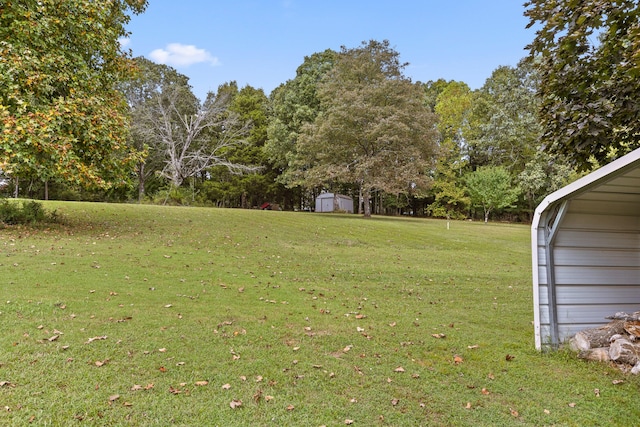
147,315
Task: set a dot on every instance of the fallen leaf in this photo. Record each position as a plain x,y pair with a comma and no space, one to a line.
572,405
162,369
485,391
201,383
127,404
348,422
596,391
258,378
616,382
392,324
149,386
290,408
514,412
457,359
226,386
268,398
90,340
438,336
162,350
235,404
360,316
114,397
509,357
468,406
174,390
399,369
472,347
546,411
53,338
395,402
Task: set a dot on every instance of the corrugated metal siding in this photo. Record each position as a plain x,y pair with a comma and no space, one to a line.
596,258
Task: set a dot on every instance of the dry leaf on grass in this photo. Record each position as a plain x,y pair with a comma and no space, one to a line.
90,340
399,369
235,404
201,383
226,386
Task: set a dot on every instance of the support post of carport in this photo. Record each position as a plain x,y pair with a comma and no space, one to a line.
550,232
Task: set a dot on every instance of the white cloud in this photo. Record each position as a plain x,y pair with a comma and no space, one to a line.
178,54
124,42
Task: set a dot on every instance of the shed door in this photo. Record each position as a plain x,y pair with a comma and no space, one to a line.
327,205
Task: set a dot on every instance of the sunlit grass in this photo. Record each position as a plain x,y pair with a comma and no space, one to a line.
146,315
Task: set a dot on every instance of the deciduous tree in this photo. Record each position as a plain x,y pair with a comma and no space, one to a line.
194,136
589,53
61,115
141,90
374,130
490,188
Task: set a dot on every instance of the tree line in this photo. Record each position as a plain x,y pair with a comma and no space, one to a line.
80,120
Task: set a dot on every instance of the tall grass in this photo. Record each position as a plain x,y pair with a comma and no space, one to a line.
148,315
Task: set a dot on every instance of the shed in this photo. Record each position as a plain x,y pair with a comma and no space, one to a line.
330,202
586,252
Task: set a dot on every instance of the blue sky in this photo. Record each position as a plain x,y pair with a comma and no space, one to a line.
262,42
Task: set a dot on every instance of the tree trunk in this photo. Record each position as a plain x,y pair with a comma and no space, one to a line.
46,189
366,195
624,351
140,182
599,354
596,337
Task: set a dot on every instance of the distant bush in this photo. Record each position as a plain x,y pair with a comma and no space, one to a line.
27,212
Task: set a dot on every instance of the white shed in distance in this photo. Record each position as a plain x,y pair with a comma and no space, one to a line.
331,202
586,252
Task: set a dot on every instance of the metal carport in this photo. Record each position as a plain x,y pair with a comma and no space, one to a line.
586,252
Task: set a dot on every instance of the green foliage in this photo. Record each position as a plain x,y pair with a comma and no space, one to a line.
25,212
490,188
588,56
504,128
293,105
374,131
453,107
60,115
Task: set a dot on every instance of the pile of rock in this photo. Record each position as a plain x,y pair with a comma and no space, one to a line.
618,342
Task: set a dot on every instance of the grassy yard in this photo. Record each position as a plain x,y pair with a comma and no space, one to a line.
147,315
